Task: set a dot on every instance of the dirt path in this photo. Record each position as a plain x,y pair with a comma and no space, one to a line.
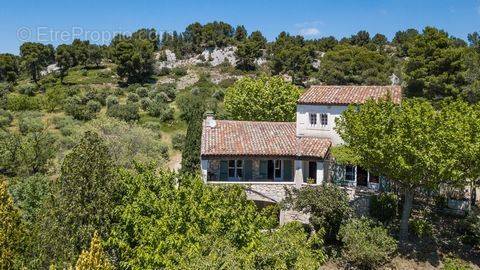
175,162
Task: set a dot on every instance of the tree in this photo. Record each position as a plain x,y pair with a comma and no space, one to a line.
380,40
412,145
134,58
435,68
249,50
65,59
355,65
35,57
94,258
9,67
403,40
79,49
191,148
148,34
95,55
11,230
83,201
362,38
262,99
240,33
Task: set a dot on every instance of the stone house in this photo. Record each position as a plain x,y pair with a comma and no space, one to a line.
269,156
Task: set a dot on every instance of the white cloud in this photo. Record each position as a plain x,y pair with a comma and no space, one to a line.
312,31
309,23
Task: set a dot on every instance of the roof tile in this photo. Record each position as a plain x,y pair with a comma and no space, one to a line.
348,94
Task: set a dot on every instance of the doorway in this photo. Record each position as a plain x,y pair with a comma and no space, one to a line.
362,177
312,170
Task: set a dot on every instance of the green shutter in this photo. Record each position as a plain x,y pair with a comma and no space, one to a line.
263,169
247,170
223,170
287,170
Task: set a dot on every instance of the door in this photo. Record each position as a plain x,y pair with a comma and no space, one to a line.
271,169
362,177
312,170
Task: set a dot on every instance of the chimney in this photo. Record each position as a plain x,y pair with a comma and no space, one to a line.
210,119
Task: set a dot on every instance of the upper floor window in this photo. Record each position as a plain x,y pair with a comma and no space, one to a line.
235,169
324,119
313,119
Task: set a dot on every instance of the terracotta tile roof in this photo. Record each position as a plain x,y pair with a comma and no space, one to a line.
248,138
348,94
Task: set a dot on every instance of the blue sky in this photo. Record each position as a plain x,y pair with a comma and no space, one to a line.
60,21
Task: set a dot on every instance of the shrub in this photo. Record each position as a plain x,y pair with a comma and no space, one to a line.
169,89
111,100
54,98
384,207
328,206
74,107
94,106
145,103
164,71
455,264
142,92
27,89
29,123
6,118
421,227
133,87
178,140
470,228
17,102
127,112
156,108
162,97
132,97
66,124
179,71
366,245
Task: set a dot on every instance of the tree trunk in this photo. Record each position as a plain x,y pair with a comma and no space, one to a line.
407,209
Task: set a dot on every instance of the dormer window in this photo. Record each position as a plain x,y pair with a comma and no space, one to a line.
324,119
313,119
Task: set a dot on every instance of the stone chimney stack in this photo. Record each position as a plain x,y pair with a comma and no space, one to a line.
210,119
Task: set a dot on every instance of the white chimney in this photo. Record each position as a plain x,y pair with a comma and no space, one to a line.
210,119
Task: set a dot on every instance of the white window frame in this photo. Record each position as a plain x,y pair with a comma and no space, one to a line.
236,169
275,168
324,116
313,116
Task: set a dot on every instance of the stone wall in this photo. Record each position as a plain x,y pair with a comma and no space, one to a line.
274,192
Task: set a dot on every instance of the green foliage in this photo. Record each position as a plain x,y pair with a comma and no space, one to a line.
65,58
17,102
132,97
164,217
142,92
11,230
179,71
365,244
111,101
82,203
178,140
354,65
384,207
94,106
9,67
27,89
126,112
95,258
262,99
328,206
470,229
249,50
434,68
455,264
35,57
421,227
29,194
134,59
54,98
6,118
77,108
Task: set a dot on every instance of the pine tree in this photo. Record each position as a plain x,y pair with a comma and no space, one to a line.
95,258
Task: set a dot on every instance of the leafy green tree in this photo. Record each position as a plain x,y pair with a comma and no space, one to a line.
149,35
434,68
35,57
95,55
9,67
163,218
380,40
385,139
240,33
362,38
82,203
134,59
249,50
95,258
11,230
290,55
354,65
79,50
328,206
65,59
403,40
191,148
262,99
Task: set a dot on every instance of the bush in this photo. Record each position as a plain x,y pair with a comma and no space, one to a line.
156,108
178,140
470,228
94,106
74,107
6,118
328,206
145,103
29,123
111,100
17,102
366,245
421,227
27,89
169,89
132,97
164,71
54,98
455,264
142,92
179,71
384,207
66,124
127,112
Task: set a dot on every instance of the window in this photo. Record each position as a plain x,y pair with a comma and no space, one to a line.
278,169
235,169
313,119
324,119
350,173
